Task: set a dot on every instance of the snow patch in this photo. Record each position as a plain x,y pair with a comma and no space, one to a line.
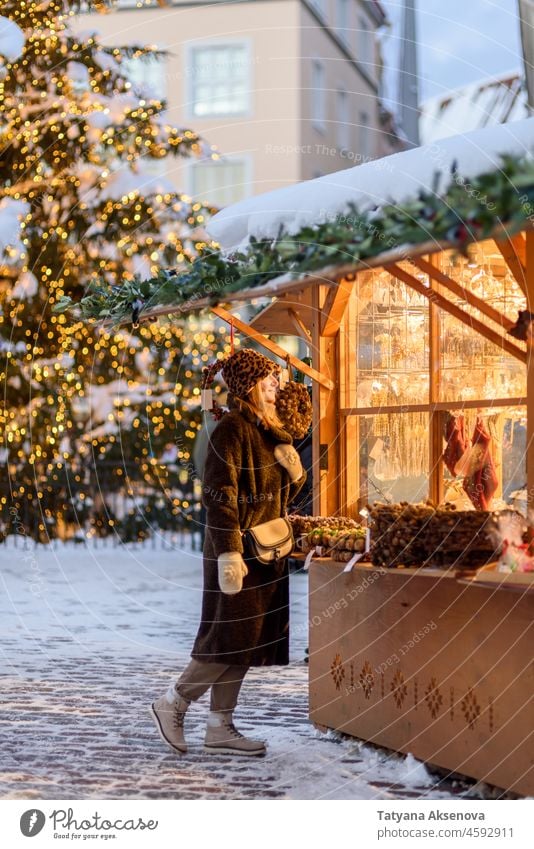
141,266
11,39
77,621
99,119
78,72
126,181
26,286
12,212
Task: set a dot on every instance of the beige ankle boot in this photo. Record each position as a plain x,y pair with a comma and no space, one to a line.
168,712
223,736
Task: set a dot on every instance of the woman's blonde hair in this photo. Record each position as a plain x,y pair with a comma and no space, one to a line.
266,412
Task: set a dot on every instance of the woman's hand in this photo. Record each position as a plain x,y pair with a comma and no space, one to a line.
288,457
232,570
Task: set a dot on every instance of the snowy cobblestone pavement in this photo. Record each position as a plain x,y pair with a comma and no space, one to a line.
90,636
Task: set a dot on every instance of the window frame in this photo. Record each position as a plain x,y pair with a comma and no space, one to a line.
318,106
162,62
365,57
341,89
342,32
189,49
365,132
245,158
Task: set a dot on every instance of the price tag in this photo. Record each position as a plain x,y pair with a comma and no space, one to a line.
283,378
352,562
309,557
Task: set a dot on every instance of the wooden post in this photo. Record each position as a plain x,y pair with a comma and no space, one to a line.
513,250
326,435
529,277
350,425
435,453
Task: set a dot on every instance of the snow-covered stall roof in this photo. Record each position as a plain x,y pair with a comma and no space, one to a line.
393,179
471,187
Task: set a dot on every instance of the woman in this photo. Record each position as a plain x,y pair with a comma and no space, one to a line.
245,608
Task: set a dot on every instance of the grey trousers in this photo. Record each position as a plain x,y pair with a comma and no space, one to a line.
225,682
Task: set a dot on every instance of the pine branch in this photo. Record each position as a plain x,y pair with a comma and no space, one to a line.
467,210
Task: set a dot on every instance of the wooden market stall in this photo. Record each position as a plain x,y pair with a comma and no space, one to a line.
431,661
435,658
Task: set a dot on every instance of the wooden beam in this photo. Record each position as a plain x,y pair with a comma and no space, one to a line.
299,325
461,292
519,242
513,249
435,445
461,315
325,427
529,267
349,429
335,306
476,404
271,346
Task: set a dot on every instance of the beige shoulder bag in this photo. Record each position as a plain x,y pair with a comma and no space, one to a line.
270,541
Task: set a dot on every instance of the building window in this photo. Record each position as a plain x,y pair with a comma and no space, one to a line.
318,95
147,76
342,18
221,183
365,137
342,117
365,45
220,80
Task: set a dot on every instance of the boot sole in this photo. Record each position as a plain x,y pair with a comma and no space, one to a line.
228,750
153,714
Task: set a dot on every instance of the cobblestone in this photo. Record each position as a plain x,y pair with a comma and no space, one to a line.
110,630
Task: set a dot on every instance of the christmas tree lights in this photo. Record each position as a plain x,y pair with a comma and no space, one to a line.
85,413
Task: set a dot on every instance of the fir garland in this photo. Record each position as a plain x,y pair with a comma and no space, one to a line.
466,211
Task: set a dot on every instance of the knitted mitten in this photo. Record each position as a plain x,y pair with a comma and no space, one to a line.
288,457
232,570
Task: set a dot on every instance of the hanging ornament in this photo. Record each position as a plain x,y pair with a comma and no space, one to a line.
284,378
206,399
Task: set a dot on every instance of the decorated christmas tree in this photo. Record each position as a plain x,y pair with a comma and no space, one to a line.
96,425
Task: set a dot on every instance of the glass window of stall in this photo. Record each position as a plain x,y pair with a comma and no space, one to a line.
411,368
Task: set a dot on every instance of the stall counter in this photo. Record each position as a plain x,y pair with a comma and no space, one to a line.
420,661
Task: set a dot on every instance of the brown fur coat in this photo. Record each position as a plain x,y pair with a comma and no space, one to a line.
243,486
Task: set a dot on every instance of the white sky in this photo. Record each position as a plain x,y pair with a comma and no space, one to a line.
460,41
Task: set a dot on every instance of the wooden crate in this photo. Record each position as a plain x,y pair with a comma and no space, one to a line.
419,662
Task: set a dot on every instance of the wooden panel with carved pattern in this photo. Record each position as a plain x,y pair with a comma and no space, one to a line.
416,661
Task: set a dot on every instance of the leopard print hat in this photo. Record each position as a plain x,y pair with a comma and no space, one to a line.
241,371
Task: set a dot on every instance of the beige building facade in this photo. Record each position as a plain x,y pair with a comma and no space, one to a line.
287,90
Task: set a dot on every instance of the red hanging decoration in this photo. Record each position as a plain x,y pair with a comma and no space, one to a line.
457,442
481,482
